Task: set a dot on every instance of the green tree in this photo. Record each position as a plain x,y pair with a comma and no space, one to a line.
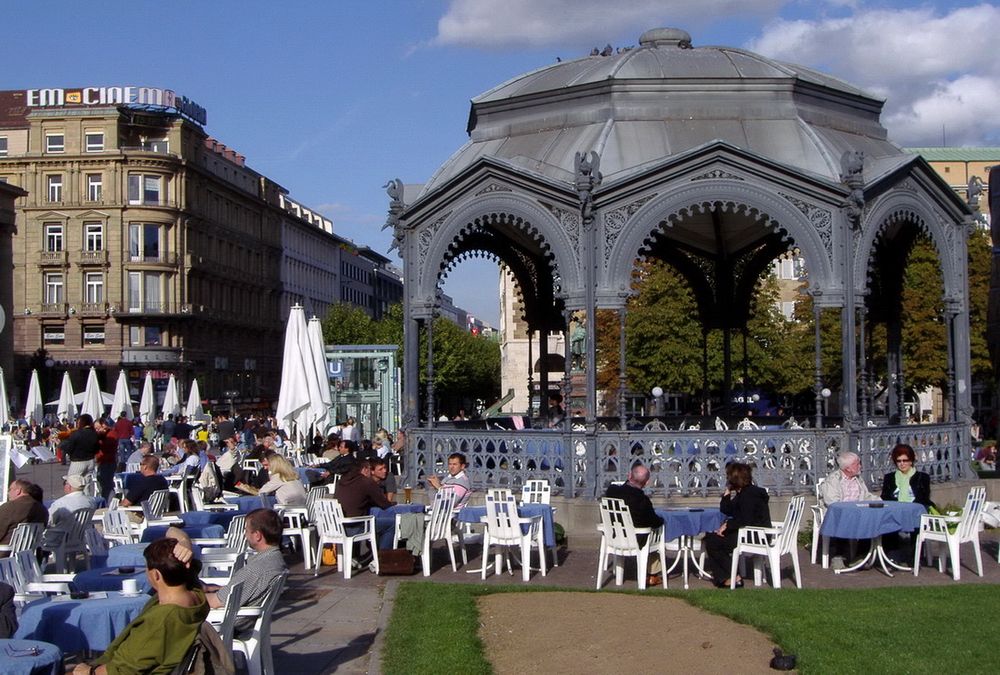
346,324
980,254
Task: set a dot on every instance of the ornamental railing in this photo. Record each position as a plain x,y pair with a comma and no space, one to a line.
681,463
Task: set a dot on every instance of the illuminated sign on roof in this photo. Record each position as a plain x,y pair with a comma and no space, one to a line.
143,96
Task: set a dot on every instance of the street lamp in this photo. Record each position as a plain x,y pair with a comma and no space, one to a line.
825,393
657,393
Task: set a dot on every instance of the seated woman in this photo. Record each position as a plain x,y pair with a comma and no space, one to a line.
284,482
157,640
906,484
744,504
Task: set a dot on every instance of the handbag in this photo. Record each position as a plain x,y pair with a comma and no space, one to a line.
396,562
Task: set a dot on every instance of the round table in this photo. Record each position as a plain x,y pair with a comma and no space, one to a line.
248,503
869,520
385,521
198,518
108,579
683,525
79,625
126,555
17,658
195,532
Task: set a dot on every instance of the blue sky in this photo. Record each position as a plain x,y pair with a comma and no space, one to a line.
331,99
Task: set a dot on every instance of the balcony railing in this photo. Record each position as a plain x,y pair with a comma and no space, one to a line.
92,257
91,308
161,259
173,308
52,257
53,309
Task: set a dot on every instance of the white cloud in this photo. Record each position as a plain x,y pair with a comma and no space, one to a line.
933,68
492,24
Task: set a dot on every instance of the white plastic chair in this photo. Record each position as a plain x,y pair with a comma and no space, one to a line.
439,524
818,511
330,522
132,467
257,647
538,491
96,544
504,529
619,538
182,488
198,500
118,527
235,540
29,582
772,543
69,543
155,508
935,529
223,619
296,524
24,538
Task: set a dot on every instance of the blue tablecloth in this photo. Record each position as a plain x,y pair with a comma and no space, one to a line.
476,514
101,579
78,625
195,532
126,478
856,520
22,662
248,503
385,521
199,518
689,522
126,555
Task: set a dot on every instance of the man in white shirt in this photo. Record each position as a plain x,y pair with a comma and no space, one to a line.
61,511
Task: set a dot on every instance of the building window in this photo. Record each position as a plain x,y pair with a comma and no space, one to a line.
143,189
93,335
54,335
55,143
95,187
93,236
53,292
94,141
93,287
152,336
146,292
3,146
144,242
54,237
55,188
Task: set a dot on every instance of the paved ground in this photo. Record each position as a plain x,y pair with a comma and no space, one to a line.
327,624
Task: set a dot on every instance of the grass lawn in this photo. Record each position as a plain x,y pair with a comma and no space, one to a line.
933,629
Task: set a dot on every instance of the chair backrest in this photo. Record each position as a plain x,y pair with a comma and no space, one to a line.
96,544
82,521
616,523
536,491
132,467
502,518
28,570
118,526
973,511
262,626
26,537
439,526
233,601
788,537
10,571
236,533
197,497
331,487
91,487
156,505
311,498
818,486
329,518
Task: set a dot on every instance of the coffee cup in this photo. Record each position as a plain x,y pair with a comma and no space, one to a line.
130,586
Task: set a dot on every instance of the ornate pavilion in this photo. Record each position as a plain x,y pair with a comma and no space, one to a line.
714,160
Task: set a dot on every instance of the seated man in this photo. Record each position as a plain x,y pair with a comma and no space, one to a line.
640,507
157,640
456,479
145,448
263,534
144,484
20,507
341,464
61,511
844,484
380,474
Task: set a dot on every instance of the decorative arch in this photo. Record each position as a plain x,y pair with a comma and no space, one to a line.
776,213
513,210
909,207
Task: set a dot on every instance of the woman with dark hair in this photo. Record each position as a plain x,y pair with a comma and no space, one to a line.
906,484
745,505
157,640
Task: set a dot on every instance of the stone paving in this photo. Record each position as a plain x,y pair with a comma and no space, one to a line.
328,624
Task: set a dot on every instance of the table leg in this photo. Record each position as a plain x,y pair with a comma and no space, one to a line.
865,562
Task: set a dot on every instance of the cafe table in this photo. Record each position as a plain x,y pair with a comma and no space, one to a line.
869,520
385,521
110,578
126,555
155,532
88,625
30,657
683,525
248,503
477,514
199,518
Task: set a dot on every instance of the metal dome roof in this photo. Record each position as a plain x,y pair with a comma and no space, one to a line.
641,105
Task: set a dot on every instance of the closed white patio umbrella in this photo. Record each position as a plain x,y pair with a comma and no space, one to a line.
147,404
171,401
4,401
123,401
193,409
93,403
66,407
34,407
317,349
294,397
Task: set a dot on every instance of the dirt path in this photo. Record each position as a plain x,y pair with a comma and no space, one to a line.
608,632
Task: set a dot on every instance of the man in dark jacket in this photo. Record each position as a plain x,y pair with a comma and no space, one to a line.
20,507
641,509
81,447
